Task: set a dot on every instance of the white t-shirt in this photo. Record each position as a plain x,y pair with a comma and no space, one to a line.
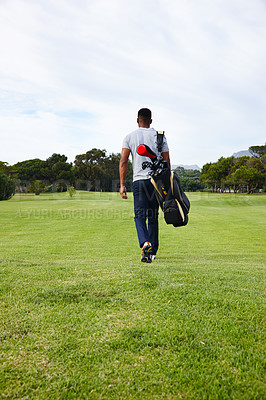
146,136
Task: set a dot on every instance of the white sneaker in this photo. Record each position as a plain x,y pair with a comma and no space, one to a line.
146,252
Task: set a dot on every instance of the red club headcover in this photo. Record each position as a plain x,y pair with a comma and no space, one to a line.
146,151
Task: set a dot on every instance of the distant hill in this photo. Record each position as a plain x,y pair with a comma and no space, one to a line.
194,166
242,153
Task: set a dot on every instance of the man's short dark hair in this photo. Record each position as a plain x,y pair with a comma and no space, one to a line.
144,114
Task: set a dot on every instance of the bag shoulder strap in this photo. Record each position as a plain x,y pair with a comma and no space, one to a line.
160,136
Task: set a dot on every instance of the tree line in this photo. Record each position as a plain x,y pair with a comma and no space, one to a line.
190,179
242,174
95,170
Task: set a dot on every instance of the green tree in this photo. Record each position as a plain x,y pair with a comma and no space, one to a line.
257,163
248,178
210,176
111,173
95,170
36,187
7,187
6,168
58,170
55,170
219,175
205,173
239,162
189,179
30,170
110,179
89,168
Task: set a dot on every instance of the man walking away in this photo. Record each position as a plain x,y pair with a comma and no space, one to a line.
145,203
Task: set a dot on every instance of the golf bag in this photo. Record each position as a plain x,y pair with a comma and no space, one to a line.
169,193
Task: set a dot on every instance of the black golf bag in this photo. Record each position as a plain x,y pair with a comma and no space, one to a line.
169,193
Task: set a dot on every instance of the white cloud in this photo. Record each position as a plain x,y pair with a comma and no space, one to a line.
74,73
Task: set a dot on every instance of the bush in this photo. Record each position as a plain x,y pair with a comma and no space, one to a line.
7,187
71,191
36,187
48,189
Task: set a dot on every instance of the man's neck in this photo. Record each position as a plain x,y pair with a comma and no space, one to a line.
144,126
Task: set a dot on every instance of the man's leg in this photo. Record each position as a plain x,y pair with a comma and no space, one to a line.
153,229
141,204
154,232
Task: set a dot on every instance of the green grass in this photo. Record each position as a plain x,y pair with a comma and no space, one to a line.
82,318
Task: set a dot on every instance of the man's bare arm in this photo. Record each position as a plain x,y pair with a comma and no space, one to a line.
166,157
123,171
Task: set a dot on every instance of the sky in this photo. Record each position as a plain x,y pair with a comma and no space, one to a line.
74,73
